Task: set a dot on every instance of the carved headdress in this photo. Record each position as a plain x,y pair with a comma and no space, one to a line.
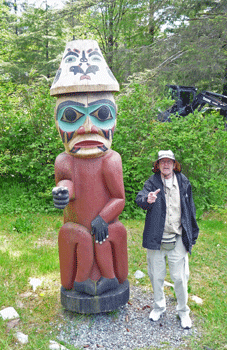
83,69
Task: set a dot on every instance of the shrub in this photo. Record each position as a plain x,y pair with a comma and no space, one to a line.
30,144
199,142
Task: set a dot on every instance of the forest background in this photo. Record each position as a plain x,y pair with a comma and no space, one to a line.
147,44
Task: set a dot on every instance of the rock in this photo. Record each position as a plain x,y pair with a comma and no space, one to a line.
22,338
196,299
35,282
139,274
55,346
9,313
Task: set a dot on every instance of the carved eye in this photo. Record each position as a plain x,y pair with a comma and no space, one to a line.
71,115
96,59
102,113
70,59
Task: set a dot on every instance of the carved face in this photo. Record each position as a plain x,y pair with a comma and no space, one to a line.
86,123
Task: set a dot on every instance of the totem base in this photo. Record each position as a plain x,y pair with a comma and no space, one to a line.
86,304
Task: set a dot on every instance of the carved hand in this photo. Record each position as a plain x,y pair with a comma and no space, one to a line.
60,197
99,229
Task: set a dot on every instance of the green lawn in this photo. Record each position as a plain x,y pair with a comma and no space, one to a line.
28,248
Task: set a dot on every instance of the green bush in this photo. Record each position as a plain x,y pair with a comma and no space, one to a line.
199,142
30,144
29,139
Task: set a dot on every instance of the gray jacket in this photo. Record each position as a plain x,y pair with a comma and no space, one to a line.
156,212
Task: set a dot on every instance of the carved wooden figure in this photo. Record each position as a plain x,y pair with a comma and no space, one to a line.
89,183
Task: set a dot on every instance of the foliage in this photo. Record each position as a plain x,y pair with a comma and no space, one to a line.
30,144
199,142
121,23
195,46
32,43
184,41
135,117
23,196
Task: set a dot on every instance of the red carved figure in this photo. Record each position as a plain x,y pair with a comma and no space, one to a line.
89,180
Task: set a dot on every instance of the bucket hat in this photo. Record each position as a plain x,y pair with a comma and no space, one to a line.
166,154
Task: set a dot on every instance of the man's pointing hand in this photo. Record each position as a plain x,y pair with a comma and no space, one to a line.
152,196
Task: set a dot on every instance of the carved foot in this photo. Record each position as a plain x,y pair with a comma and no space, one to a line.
96,288
88,287
105,284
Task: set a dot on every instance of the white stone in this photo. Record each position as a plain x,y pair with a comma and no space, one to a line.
55,346
197,299
139,274
167,284
9,313
35,282
22,338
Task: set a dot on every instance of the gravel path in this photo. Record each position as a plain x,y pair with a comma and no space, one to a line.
127,328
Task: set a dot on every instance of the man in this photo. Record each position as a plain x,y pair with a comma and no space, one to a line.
170,232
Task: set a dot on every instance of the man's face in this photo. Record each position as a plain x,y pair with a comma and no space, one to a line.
86,123
166,166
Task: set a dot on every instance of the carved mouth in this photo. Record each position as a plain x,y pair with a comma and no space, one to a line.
86,144
85,77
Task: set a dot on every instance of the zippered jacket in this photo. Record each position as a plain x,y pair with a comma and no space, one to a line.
156,212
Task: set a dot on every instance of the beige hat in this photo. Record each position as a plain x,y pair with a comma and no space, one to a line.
166,154
83,69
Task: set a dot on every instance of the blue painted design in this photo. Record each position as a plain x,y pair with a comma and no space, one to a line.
71,115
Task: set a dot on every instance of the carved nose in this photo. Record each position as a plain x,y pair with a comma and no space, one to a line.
81,130
87,128
94,130
83,58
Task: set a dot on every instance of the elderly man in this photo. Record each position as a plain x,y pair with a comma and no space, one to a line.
170,232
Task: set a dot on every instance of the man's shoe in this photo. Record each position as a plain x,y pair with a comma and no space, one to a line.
186,322
156,314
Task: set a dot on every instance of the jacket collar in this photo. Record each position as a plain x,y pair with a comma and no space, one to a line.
182,182
157,181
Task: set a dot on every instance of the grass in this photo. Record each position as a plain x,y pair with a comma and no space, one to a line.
28,248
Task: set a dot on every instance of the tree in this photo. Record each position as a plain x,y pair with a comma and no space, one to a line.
72,15
35,45
125,29
193,51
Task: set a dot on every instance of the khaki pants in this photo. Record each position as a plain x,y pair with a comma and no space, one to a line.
179,272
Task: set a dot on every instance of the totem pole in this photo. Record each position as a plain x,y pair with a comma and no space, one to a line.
89,183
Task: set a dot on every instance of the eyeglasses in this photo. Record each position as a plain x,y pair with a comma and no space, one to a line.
169,161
